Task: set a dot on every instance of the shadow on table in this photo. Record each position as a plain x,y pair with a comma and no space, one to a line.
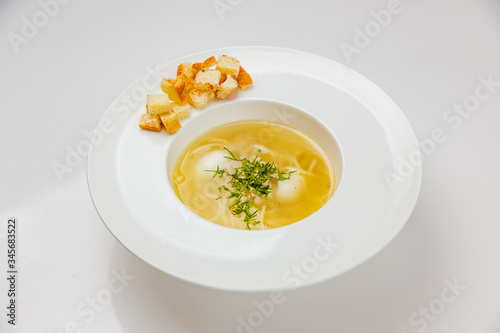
378,296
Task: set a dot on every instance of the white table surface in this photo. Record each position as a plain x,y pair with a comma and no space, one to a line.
57,81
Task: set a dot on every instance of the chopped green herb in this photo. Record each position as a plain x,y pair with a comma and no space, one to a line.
251,179
218,172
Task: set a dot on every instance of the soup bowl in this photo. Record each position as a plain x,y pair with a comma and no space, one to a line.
264,111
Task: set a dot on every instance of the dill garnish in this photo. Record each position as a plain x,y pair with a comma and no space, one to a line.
248,181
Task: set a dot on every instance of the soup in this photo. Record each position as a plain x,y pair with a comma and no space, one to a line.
254,175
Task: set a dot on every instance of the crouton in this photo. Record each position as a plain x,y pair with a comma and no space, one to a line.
170,122
150,122
199,98
195,86
228,65
188,86
227,87
186,69
194,71
173,88
181,110
158,104
244,79
223,78
198,66
208,79
209,62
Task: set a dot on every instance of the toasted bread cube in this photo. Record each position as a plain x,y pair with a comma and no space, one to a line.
181,110
170,122
223,78
195,72
228,65
197,66
188,86
150,122
158,104
208,79
209,62
227,87
244,79
186,69
200,98
173,88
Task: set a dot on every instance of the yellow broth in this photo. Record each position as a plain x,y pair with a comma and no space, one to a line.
289,201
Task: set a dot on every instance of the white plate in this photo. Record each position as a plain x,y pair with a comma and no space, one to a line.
130,187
